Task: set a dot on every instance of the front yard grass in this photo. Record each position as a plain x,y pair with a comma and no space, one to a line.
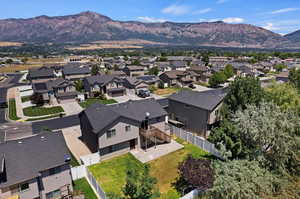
81,186
111,174
41,111
91,101
12,110
25,99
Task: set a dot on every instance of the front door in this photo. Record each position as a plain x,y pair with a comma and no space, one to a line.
132,144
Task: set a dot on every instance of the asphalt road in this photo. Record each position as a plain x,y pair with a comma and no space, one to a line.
55,124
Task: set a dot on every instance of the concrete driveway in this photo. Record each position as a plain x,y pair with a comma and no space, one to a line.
128,96
201,88
71,108
76,146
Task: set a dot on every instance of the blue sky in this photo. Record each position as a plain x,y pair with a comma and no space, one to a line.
281,16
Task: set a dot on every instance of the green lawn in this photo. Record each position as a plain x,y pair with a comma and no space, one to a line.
25,99
90,101
112,173
12,111
168,164
41,111
81,186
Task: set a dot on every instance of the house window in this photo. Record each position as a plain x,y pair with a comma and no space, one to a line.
127,128
53,194
54,171
158,119
24,187
110,133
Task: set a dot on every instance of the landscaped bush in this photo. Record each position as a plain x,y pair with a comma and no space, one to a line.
25,99
40,111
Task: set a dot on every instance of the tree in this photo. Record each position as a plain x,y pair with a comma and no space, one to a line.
79,85
135,62
285,96
271,135
241,179
205,59
154,71
280,67
163,59
140,185
243,91
228,71
37,99
197,172
294,78
217,78
95,70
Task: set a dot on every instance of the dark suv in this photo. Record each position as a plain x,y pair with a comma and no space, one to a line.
143,93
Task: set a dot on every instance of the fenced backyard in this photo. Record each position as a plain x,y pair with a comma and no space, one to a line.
196,140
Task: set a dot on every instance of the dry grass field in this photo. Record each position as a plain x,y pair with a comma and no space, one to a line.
5,44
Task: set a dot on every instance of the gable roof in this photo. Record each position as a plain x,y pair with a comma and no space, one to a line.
49,85
100,79
41,72
76,70
206,100
133,67
26,158
100,116
173,74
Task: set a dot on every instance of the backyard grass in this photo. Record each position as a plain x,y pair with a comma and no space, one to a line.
91,101
12,111
41,111
25,99
169,91
111,174
165,168
81,186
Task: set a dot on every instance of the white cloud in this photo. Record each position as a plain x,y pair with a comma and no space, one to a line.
233,20
176,9
284,10
271,27
203,11
209,20
221,1
151,19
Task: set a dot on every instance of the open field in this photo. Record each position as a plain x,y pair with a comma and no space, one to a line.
20,67
134,44
7,43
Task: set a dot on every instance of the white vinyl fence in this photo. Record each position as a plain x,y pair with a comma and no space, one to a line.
193,194
196,140
96,186
78,172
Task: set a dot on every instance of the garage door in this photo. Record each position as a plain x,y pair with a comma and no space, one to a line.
117,93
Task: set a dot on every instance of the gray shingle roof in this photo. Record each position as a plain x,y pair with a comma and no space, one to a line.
100,79
76,70
26,158
100,116
41,72
206,100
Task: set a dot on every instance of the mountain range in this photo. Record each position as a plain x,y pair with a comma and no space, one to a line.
90,26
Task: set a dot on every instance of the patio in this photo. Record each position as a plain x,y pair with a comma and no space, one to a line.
156,152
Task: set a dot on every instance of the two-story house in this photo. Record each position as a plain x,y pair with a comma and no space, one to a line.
76,73
196,111
104,84
116,129
176,78
35,167
60,89
42,74
133,71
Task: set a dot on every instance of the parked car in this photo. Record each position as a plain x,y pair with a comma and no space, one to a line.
143,93
192,86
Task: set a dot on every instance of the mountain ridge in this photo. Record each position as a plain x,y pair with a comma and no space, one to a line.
91,26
